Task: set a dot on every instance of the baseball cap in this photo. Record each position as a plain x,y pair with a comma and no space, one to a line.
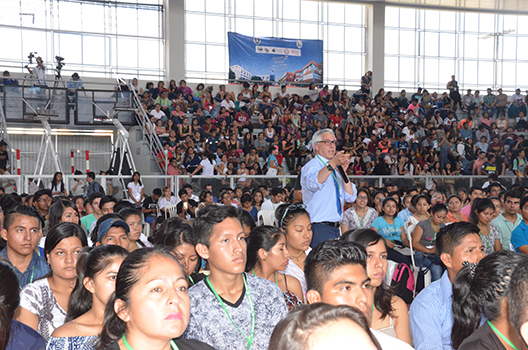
108,224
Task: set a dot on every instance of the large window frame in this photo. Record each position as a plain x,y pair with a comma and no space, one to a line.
103,39
342,27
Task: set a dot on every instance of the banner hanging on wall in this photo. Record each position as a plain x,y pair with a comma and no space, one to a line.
278,60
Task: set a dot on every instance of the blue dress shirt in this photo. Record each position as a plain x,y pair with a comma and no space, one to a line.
519,236
431,316
24,337
36,269
320,199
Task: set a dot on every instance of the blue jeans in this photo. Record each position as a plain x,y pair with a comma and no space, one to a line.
322,232
423,262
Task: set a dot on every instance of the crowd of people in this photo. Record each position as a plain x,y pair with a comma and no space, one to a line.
255,132
77,270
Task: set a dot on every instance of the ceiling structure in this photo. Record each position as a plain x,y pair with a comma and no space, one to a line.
518,7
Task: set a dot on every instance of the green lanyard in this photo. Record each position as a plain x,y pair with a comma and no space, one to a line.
250,338
389,226
191,279
333,174
31,278
172,343
276,280
435,232
502,335
482,236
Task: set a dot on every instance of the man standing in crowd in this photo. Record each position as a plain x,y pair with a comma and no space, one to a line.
324,191
509,219
93,186
42,202
431,314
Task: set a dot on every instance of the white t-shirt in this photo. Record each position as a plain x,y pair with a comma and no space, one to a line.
207,167
136,191
163,202
227,105
156,114
269,205
390,343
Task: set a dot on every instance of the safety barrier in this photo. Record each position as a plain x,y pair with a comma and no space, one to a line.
150,182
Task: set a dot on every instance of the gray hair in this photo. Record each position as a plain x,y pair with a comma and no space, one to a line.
318,136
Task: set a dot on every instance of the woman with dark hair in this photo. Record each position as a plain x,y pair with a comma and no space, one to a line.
136,190
136,237
422,204
96,273
294,221
13,334
63,211
150,304
390,314
323,326
424,241
177,237
79,204
480,292
454,204
481,215
361,215
206,199
246,203
258,199
266,256
57,186
44,303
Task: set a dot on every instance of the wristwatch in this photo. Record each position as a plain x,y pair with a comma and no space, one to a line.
329,167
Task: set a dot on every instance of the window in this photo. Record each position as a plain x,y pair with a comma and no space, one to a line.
429,46
96,38
341,26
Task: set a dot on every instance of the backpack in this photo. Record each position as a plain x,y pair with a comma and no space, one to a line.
470,155
403,282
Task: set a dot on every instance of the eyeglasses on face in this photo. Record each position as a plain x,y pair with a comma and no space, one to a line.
328,142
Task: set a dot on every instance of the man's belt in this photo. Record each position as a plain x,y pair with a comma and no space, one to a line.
328,223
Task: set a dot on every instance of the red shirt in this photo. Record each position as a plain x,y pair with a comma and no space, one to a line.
242,118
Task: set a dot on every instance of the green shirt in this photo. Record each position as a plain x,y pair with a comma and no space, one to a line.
87,220
505,228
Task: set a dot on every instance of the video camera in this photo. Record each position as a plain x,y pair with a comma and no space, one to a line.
31,57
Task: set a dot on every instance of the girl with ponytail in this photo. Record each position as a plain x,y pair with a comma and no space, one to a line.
479,292
96,274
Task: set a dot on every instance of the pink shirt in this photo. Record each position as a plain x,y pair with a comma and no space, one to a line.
466,210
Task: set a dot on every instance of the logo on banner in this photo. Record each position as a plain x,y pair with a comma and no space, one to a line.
299,43
256,41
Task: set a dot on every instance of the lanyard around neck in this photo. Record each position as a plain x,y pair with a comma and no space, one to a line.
125,342
497,332
333,173
250,338
32,273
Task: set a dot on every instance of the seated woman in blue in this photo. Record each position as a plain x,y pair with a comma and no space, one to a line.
390,227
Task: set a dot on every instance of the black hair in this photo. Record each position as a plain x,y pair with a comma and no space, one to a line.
93,196
512,194
368,237
450,236
128,276
91,174
295,330
479,205
122,205
90,263
95,231
105,200
276,190
246,197
209,217
328,256
387,200
138,174
524,199
287,213
41,193
22,210
54,182
246,218
9,201
57,209
453,196
480,290
518,298
127,212
473,189
9,300
438,207
172,233
157,192
262,237
62,231
416,199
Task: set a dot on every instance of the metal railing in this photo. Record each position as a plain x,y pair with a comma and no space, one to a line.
219,182
153,141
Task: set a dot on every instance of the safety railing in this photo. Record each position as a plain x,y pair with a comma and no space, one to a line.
219,182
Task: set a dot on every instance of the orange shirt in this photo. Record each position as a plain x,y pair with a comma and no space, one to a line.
451,218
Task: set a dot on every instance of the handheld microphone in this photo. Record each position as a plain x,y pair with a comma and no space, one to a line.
343,174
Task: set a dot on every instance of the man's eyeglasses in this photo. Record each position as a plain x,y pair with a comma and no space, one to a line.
328,142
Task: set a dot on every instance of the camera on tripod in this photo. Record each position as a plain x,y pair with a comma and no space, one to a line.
31,57
59,66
